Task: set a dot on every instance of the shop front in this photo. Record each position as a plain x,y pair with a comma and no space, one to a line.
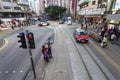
114,23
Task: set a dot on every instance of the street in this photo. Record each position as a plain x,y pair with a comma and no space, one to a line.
71,60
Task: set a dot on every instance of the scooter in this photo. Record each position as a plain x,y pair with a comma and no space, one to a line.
104,44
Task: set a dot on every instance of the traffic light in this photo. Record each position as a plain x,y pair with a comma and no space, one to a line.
31,42
22,40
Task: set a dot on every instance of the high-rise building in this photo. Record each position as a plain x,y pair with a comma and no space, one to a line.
14,10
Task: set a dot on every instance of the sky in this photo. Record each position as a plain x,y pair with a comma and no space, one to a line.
117,5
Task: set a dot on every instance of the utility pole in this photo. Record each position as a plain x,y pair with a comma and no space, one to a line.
69,7
75,8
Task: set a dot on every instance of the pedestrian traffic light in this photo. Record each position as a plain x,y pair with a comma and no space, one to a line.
31,42
22,40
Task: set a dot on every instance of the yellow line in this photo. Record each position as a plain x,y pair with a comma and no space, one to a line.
5,44
113,63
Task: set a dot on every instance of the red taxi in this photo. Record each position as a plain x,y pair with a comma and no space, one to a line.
80,36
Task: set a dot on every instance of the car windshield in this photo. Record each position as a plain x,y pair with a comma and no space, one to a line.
80,33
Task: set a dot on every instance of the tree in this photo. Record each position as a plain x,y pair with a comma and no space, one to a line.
55,11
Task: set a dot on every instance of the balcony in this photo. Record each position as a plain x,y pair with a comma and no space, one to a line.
83,2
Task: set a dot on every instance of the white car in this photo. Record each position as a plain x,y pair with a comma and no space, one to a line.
69,22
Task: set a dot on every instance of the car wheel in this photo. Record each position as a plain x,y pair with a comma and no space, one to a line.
76,40
86,42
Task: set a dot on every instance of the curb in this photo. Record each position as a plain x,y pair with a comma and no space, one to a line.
2,42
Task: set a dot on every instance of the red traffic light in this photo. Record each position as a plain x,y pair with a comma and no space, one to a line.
30,36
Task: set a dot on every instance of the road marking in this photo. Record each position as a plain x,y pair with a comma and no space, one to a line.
0,72
14,71
6,42
6,72
113,63
46,70
56,71
21,71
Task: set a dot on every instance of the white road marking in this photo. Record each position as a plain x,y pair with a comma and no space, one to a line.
6,42
0,72
46,70
21,71
56,71
6,72
14,71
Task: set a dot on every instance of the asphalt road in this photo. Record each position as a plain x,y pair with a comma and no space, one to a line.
71,60
15,61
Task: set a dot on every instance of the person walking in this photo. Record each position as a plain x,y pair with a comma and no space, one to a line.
104,41
49,51
49,41
46,55
43,49
113,38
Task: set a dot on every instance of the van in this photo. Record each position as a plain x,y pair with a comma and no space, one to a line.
69,20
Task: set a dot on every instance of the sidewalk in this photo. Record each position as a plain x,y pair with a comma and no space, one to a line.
98,30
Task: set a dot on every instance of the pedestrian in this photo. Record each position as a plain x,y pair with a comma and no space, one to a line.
43,49
113,38
46,56
81,25
49,51
86,26
49,41
102,33
12,26
104,41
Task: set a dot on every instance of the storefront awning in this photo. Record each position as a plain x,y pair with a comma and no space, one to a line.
114,21
115,17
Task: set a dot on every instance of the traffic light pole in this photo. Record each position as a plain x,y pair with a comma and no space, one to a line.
31,57
32,63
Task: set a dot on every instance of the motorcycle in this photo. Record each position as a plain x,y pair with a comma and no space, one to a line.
104,44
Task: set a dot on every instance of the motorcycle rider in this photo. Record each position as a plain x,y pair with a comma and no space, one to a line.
105,40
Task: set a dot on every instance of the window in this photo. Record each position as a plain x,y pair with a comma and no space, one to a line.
93,3
17,8
14,1
6,0
6,7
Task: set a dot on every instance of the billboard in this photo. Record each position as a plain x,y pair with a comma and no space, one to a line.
117,4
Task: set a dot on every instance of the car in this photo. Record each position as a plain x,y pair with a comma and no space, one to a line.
61,21
43,24
80,35
69,22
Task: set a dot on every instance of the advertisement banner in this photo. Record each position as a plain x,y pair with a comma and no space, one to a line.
72,4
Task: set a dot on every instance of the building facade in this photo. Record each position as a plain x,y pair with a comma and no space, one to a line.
14,10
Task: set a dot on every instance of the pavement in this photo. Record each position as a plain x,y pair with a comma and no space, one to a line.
97,30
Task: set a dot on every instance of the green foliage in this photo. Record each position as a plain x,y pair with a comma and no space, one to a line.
55,11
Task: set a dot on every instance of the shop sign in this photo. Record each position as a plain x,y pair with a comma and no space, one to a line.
5,19
98,11
81,12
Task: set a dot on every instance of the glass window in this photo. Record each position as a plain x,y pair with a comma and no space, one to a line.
6,7
6,0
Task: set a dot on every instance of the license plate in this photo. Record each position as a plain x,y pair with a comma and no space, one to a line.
83,41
